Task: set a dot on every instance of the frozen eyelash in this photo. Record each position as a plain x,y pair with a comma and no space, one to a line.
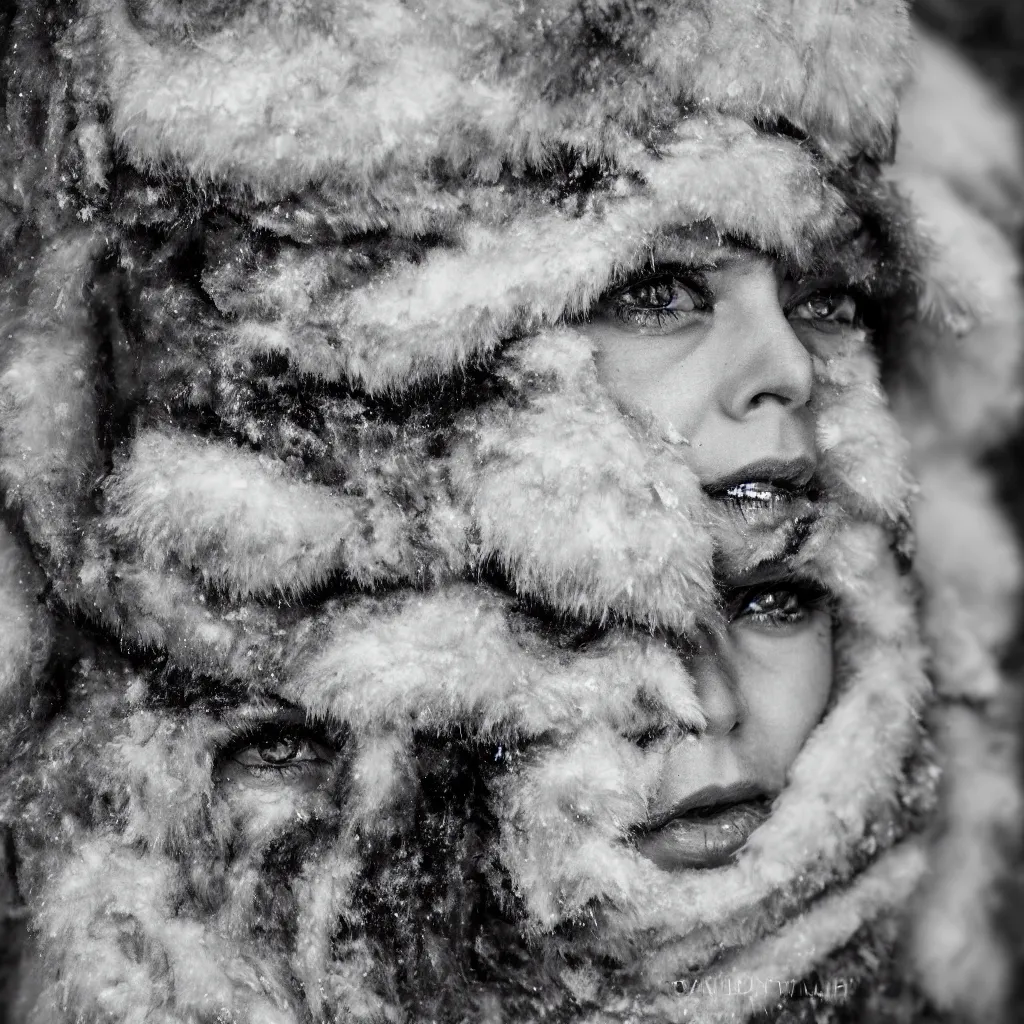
285,771
638,317
691,278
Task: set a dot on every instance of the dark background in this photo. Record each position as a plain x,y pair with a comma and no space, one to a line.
990,33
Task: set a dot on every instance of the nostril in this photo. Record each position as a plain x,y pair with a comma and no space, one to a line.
766,397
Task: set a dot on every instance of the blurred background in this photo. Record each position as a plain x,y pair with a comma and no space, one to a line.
990,33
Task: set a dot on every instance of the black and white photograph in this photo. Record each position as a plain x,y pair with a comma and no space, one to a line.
511,512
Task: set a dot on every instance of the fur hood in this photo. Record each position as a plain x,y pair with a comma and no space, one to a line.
294,412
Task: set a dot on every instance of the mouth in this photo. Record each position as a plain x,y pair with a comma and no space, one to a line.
706,830
766,480
768,491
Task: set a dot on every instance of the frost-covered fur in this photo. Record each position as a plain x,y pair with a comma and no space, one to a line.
296,413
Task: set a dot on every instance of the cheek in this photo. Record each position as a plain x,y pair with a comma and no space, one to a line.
662,376
787,680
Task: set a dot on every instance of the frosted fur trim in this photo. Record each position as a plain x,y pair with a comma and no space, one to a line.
242,524
20,644
622,520
623,515
981,572
25,631
963,356
452,657
741,67
428,319
49,457
163,611
122,954
626,526
747,983
166,791
360,87
864,456
324,896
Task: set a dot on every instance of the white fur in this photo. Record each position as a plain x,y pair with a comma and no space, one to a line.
242,524
49,458
964,962
954,125
578,509
25,632
368,85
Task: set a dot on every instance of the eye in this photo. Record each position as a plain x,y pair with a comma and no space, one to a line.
827,307
281,749
670,295
775,606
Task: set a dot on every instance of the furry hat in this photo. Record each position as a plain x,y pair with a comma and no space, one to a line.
295,413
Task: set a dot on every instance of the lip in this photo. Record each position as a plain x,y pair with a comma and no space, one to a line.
706,829
766,480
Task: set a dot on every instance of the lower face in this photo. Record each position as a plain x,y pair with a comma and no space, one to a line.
763,687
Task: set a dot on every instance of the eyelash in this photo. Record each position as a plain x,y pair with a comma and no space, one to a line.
693,281
285,771
263,734
645,316
810,597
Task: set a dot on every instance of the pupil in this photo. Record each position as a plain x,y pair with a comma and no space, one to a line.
657,294
285,749
777,602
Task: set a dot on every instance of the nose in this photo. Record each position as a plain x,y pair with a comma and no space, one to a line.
767,362
717,689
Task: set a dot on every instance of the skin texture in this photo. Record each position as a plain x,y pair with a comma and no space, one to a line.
731,382
717,357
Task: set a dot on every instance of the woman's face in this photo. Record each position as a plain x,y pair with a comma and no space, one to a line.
716,358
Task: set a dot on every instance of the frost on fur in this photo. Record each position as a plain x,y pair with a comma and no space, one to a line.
620,525
245,527
307,428
26,632
48,401
192,92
